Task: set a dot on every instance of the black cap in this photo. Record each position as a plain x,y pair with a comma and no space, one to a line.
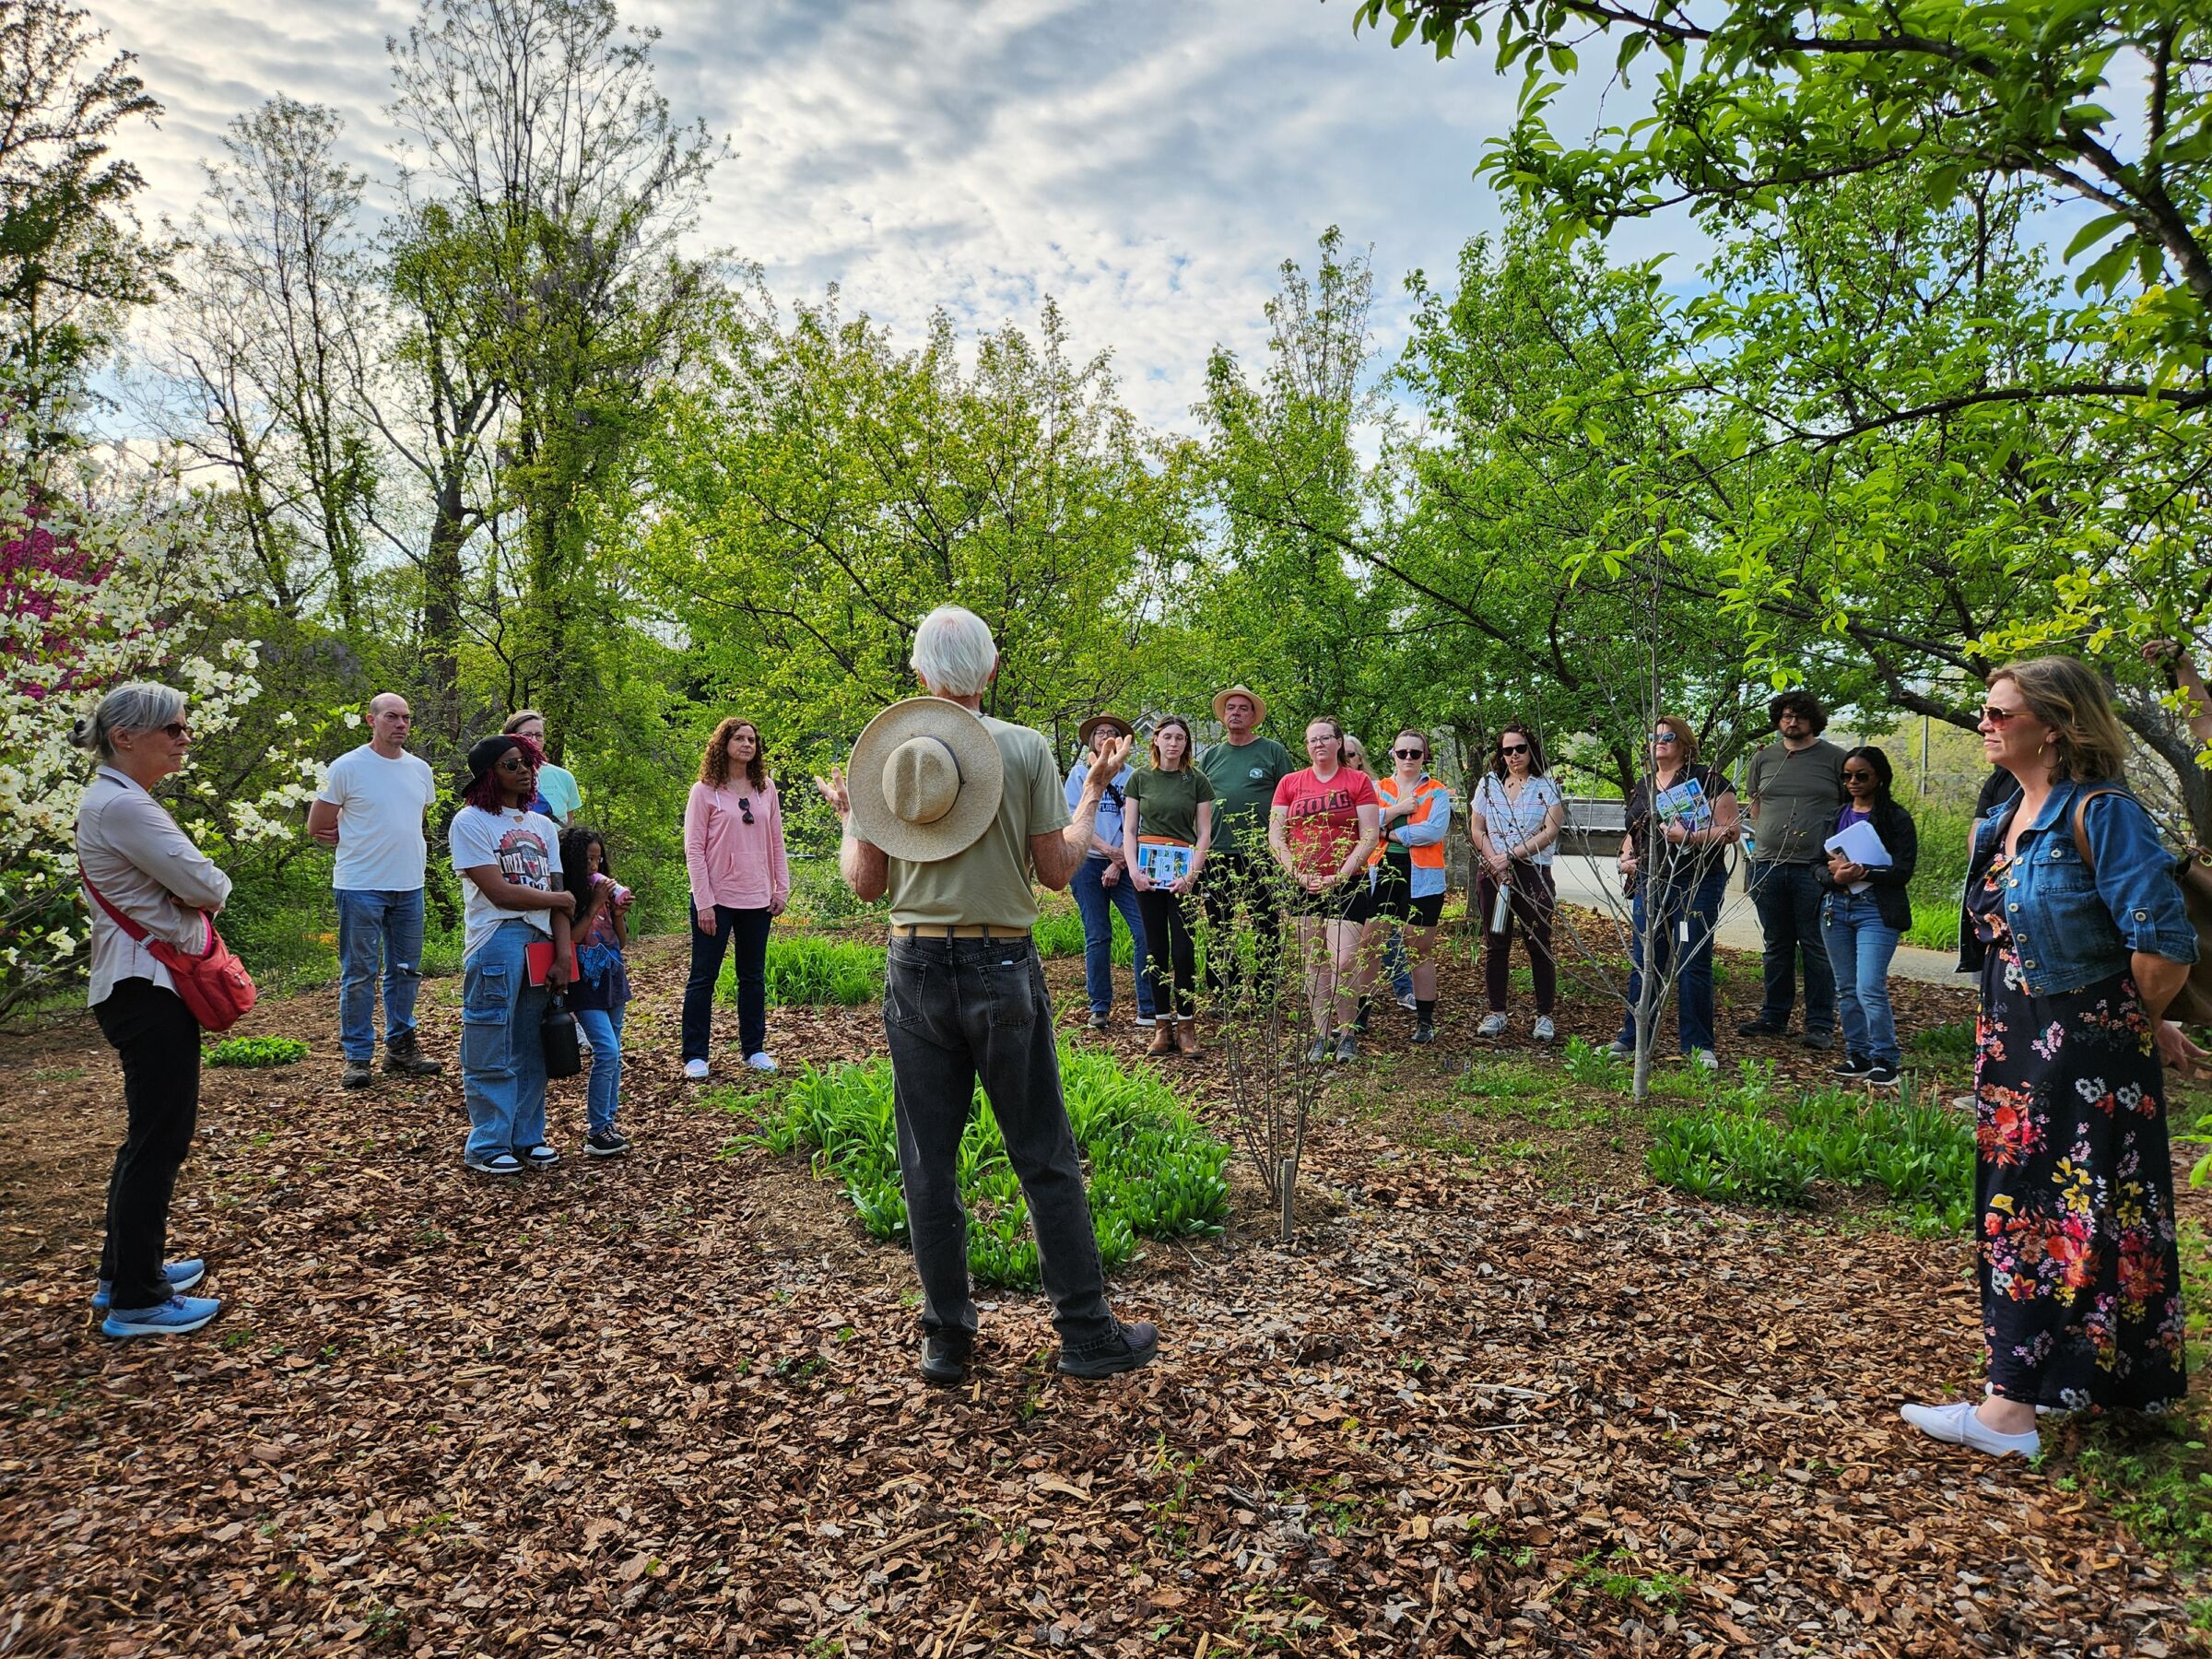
486,755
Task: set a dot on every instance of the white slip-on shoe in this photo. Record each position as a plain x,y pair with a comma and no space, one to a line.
1956,1424
760,1060
695,1069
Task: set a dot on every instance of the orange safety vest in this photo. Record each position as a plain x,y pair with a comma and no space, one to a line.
1431,857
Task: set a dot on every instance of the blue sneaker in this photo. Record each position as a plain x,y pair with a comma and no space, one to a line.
174,1317
181,1276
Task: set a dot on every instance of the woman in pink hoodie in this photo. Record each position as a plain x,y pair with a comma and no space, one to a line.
740,878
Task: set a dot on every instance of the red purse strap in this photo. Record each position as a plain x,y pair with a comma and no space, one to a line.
121,919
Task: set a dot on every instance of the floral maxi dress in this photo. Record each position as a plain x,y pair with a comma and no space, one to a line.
2081,1283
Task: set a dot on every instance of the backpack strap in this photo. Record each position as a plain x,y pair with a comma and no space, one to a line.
2082,833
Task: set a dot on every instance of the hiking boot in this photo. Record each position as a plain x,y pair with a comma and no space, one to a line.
1761,1027
1130,1348
357,1075
945,1357
404,1057
1186,1037
1163,1041
1817,1040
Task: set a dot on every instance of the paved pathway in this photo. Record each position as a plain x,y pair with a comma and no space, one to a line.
1596,883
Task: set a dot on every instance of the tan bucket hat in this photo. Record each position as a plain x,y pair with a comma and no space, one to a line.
1114,723
926,780
1259,703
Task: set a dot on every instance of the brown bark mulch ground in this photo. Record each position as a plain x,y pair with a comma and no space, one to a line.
1491,1402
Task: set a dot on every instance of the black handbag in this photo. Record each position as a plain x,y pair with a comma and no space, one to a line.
557,1035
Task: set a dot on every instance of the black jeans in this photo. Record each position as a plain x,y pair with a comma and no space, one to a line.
159,1042
1173,958
1787,897
749,927
1238,882
954,1009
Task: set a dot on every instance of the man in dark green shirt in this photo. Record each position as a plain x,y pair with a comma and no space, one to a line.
1243,768
1794,788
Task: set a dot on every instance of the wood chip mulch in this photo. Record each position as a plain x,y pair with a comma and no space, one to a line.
669,1404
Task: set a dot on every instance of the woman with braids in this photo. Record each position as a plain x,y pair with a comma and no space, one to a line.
601,994
517,909
2076,926
740,880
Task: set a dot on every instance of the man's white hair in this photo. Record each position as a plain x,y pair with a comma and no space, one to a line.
954,652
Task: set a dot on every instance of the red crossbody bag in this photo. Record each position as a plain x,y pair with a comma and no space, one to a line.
214,984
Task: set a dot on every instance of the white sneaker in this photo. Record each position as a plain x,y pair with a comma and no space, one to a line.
1492,1026
696,1070
1544,1032
1957,1425
1704,1060
760,1060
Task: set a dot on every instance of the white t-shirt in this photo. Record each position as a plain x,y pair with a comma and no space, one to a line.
526,847
379,804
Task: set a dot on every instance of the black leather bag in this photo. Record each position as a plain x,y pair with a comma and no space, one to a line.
557,1035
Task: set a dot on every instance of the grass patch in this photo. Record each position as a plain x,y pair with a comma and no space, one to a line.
255,1052
1154,1172
1059,933
805,968
1741,1145
1951,1040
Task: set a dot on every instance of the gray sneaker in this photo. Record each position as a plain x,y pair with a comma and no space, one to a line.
1493,1025
1347,1046
1323,1048
1545,1031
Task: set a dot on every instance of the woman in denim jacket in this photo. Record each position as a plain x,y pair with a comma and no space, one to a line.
2081,1288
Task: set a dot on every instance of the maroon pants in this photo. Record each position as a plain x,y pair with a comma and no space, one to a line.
1531,905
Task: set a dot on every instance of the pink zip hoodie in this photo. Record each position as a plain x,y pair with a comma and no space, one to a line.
732,861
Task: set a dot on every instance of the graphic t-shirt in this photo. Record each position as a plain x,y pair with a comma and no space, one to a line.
1324,826
526,848
380,803
1243,776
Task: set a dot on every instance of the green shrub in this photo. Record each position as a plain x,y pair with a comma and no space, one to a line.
255,1052
1590,1066
804,968
1154,1170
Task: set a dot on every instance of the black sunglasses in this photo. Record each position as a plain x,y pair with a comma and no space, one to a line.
1857,777
176,730
744,804
514,763
1411,754
1513,748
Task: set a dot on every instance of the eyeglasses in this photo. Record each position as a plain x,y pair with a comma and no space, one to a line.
176,730
1664,738
1995,716
1412,754
745,806
1513,748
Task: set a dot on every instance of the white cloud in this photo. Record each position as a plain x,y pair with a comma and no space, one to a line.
1149,162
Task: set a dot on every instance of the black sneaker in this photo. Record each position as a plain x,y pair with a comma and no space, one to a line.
357,1075
1881,1076
944,1356
1817,1040
1099,1020
604,1143
1130,1348
404,1057
1761,1027
1423,1031
1851,1065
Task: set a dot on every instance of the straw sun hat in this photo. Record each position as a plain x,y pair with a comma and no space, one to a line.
1259,703
926,780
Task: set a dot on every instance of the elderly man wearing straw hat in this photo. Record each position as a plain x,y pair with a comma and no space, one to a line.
1243,768
948,811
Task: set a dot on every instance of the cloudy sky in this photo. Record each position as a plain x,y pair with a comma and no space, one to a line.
1147,163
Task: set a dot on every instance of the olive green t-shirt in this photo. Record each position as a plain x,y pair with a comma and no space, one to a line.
1798,793
988,882
1244,776
1168,801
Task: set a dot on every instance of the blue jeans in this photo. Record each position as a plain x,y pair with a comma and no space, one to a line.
1787,897
502,1055
603,1093
1860,946
1092,898
374,923
1679,907
1393,964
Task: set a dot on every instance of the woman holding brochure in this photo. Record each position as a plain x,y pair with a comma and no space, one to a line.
1682,822
1866,911
1167,825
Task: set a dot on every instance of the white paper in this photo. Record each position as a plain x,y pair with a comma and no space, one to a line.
1859,843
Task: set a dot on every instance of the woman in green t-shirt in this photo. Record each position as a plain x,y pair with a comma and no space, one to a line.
1167,825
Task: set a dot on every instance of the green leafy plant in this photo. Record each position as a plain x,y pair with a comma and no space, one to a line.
1154,1172
255,1052
805,967
1593,1066
1059,933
